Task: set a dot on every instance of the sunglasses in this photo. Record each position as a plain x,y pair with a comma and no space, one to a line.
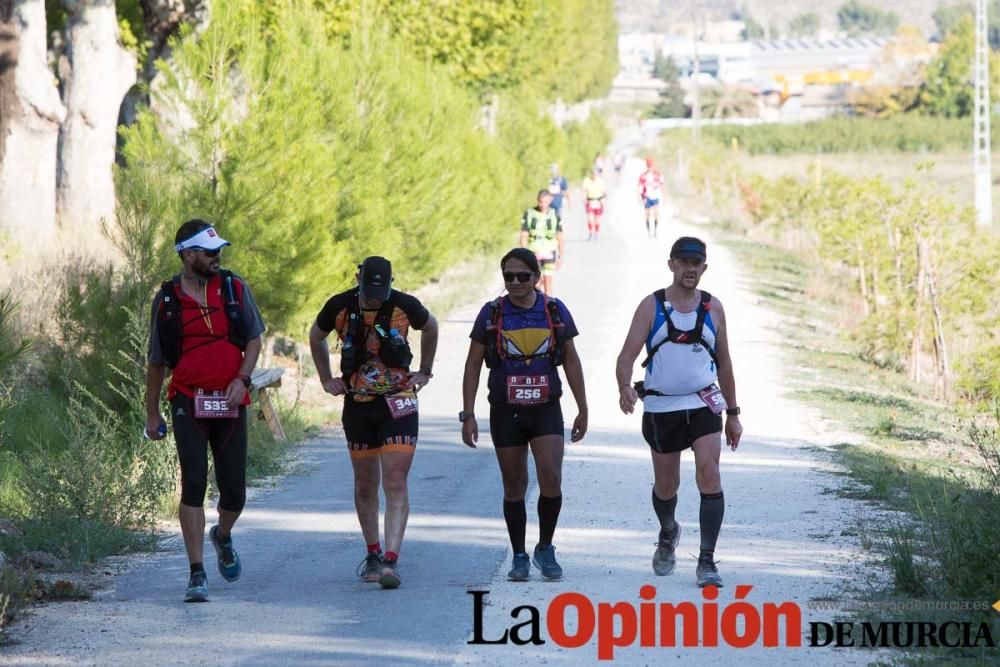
520,276
210,253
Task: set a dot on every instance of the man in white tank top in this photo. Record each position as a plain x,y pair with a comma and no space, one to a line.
688,384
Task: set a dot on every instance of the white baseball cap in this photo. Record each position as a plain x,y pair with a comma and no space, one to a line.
206,239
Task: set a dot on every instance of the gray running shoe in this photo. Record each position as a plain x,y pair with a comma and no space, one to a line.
229,561
388,576
545,560
707,572
197,590
369,568
521,568
665,556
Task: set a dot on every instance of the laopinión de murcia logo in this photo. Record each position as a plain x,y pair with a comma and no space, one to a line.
572,620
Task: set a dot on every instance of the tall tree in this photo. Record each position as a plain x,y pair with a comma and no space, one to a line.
856,18
804,25
30,114
99,72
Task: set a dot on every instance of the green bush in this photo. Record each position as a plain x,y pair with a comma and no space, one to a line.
902,132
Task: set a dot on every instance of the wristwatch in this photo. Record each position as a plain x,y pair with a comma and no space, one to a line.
732,412
426,371
463,415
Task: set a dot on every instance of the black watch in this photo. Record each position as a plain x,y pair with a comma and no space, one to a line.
463,415
732,412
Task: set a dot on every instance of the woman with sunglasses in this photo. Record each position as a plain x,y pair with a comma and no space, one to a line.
524,337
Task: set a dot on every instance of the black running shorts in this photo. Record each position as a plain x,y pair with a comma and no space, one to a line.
668,432
227,440
370,428
515,425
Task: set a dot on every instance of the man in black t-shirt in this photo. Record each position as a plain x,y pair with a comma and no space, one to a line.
380,416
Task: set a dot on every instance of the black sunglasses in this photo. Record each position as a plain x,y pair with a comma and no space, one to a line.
520,276
209,253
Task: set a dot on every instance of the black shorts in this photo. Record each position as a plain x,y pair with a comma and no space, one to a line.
668,432
370,428
515,425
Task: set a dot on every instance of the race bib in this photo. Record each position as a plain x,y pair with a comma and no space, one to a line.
653,193
213,406
712,397
527,389
402,405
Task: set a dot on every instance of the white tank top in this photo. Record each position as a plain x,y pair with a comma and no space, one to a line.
679,370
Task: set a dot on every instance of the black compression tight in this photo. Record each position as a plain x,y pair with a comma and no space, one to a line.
228,441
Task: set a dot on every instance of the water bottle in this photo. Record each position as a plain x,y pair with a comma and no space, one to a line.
400,351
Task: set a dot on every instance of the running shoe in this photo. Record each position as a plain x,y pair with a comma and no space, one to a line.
521,568
388,576
665,556
197,590
545,560
707,572
369,568
229,561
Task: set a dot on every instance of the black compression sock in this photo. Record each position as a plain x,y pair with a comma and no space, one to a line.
548,516
516,515
713,507
197,567
665,513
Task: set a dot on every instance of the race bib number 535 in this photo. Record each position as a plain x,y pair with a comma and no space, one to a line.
213,406
527,389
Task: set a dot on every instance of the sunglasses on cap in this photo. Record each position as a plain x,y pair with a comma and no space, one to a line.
520,276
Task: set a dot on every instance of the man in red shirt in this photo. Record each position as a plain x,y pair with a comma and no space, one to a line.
205,327
650,194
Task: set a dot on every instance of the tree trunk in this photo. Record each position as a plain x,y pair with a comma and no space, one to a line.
100,73
30,114
916,349
943,365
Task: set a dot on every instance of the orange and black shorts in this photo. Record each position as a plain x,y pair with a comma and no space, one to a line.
370,428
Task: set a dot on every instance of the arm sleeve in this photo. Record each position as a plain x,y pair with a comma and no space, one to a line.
478,333
251,313
155,353
415,311
524,221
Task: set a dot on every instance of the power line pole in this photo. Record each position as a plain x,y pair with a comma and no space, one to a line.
695,75
981,129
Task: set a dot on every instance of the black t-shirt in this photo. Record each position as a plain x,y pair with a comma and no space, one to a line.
373,376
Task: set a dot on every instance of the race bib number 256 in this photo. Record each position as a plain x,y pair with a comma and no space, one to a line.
527,389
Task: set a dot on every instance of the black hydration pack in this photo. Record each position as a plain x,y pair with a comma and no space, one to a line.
169,323
495,352
394,352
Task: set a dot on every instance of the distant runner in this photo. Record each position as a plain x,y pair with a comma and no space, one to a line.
524,337
542,233
380,407
689,382
619,163
650,194
559,189
595,192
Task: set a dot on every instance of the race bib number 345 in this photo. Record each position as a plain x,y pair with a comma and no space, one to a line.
527,389
213,406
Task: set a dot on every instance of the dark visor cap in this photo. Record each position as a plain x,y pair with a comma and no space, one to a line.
376,278
688,248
